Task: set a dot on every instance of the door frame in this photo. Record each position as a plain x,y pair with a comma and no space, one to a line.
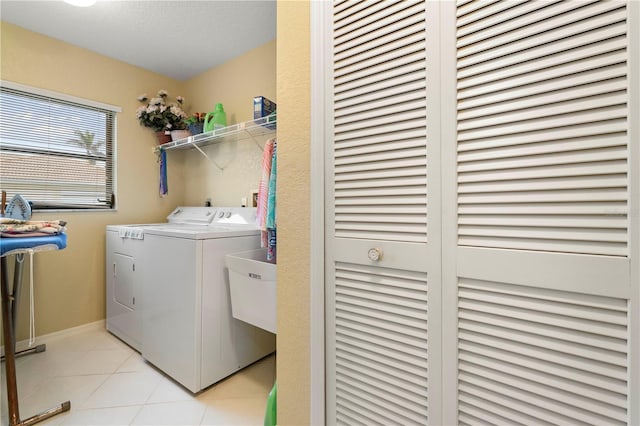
320,22
633,361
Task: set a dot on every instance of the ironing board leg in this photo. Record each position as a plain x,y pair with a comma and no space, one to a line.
9,344
10,362
15,292
15,303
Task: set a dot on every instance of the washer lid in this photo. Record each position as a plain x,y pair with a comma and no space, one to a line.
199,232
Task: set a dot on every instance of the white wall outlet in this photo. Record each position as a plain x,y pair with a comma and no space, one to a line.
244,201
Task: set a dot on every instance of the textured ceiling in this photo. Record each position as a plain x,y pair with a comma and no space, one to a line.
178,39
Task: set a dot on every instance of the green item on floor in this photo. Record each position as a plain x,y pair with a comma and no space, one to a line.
270,415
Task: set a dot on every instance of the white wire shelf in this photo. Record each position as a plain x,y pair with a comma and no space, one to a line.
253,129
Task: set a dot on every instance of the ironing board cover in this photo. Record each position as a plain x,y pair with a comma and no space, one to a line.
40,243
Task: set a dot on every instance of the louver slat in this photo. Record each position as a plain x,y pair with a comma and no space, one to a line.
575,401
545,66
381,344
518,17
476,11
348,113
559,147
378,37
470,414
365,97
593,170
576,118
603,383
488,95
387,50
404,53
380,122
411,104
412,376
552,355
484,411
395,353
591,103
542,408
347,9
381,392
526,36
373,18
542,127
504,46
391,210
472,361
376,414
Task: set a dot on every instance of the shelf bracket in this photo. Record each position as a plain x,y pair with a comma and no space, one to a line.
256,142
205,155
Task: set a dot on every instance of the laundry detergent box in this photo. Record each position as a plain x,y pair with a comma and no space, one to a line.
263,107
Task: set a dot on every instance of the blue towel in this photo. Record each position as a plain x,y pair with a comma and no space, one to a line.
271,198
164,188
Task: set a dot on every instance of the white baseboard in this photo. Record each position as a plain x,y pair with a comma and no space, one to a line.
46,338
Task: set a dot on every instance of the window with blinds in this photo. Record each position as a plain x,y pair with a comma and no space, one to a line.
57,153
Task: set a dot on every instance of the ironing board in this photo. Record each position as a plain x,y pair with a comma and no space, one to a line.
18,246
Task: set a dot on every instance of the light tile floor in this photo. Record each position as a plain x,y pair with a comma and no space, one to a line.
108,383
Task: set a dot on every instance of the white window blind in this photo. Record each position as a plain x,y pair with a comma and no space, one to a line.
55,152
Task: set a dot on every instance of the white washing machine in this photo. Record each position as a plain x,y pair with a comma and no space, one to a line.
180,295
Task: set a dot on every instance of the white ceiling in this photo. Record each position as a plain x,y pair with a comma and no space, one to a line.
178,39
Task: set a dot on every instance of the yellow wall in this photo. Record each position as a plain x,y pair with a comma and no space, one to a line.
234,84
293,212
70,284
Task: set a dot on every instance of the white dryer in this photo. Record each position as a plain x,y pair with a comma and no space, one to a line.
124,283
184,305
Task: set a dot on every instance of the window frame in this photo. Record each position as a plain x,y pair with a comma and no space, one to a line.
80,102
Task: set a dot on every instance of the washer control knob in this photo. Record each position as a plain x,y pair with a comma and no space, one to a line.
228,214
374,255
221,214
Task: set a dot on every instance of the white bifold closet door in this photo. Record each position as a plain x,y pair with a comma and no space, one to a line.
484,150
383,227
542,228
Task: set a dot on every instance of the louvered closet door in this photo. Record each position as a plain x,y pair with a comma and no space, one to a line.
383,179
543,290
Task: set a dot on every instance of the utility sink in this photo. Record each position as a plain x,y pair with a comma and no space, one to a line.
252,281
